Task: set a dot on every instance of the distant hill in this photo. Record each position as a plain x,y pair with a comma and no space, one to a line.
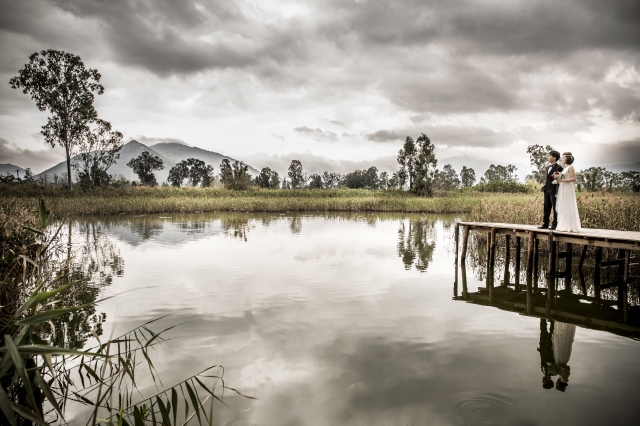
170,153
10,169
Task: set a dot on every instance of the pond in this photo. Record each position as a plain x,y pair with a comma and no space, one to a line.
352,319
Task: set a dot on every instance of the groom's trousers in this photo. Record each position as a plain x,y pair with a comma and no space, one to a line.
550,204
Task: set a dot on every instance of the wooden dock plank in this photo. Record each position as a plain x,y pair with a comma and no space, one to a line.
627,240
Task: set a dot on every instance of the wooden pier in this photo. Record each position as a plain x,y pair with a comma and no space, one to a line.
625,242
590,311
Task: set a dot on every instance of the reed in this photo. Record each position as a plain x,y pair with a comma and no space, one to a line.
39,380
597,210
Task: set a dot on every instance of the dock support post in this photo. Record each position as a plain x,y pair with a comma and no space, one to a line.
552,255
596,274
457,237
518,248
529,295
455,283
532,237
568,266
465,242
536,254
463,272
493,248
507,250
625,282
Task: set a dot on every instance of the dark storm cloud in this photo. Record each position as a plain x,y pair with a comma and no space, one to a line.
36,159
450,136
318,134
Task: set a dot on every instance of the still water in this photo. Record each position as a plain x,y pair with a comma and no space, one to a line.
348,320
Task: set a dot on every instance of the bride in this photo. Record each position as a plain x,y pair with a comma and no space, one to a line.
566,205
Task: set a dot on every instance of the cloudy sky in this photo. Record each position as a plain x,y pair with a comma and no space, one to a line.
340,81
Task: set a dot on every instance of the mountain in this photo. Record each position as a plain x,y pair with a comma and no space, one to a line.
10,169
170,153
177,152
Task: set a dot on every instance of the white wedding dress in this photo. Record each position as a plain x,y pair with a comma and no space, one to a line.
567,206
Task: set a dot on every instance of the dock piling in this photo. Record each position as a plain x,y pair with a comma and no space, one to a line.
532,236
457,237
552,255
465,242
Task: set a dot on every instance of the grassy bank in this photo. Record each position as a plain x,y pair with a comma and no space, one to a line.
611,211
143,200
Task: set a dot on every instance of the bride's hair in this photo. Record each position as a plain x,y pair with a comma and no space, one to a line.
569,158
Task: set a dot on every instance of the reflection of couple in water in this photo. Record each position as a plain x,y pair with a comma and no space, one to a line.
555,351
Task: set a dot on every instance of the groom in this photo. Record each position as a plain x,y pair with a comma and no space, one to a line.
550,190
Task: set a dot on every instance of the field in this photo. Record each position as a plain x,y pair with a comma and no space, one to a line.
597,210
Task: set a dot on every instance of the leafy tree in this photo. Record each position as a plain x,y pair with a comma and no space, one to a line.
407,159
447,179
612,180
424,166
416,244
315,181
331,180
178,173
499,173
467,177
363,179
296,174
28,176
394,182
383,180
285,183
235,176
99,148
631,180
538,159
144,165
226,172
268,179
59,82
591,179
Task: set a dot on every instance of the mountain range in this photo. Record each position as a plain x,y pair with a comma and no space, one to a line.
10,169
170,153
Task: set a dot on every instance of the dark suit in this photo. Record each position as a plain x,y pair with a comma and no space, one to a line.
550,190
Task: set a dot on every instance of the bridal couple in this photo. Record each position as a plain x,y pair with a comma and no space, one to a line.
560,195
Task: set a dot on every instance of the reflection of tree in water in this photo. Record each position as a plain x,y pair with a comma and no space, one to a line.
295,223
94,262
146,228
236,226
416,243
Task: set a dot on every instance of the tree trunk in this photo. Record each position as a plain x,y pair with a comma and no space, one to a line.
68,150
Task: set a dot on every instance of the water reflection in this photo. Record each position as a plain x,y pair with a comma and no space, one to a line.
348,319
416,243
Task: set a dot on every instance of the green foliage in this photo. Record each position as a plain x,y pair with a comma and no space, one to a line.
467,177
296,175
315,181
447,179
332,180
197,171
58,82
417,163
236,176
591,179
362,179
99,148
538,159
499,174
504,186
268,179
144,165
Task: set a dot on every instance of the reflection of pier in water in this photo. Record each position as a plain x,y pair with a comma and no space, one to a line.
557,298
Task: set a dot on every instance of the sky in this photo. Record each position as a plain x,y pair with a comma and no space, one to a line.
340,83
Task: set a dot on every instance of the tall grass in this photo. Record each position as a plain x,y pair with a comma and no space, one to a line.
597,210
39,381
